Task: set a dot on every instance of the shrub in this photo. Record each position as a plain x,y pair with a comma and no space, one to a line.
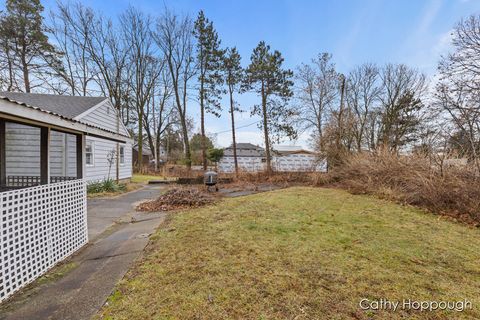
412,180
107,185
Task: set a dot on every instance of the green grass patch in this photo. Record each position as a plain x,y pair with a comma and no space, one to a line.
301,253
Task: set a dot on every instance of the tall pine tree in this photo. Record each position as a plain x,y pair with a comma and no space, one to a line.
268,79
209,61
233,75
25,44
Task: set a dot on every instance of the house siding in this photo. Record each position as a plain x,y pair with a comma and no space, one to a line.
284,163
105,116
248,164
298,162
100,168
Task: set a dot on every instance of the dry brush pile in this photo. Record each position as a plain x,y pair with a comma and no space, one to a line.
453,191
178,198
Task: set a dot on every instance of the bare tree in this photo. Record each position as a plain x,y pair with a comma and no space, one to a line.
363,91
462,108
72,27
174,37
316,90
159,115
145,66
458,91
463,63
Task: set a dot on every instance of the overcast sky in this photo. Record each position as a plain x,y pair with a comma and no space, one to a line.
414,32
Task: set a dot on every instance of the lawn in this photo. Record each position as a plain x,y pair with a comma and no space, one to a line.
300,253
143,178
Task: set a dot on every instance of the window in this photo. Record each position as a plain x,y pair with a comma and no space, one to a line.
89,157
122,155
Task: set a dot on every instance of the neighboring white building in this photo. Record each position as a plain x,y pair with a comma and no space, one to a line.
251,158
103,158
296,159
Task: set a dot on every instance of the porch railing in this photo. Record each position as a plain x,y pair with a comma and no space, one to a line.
39,227
30,181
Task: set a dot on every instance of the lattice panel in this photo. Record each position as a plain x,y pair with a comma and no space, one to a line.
39,227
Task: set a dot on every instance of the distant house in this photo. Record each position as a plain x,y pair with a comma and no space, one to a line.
295,159
147,155
251,158
103,158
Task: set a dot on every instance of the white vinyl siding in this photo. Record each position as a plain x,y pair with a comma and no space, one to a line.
101,167
105,117
248,164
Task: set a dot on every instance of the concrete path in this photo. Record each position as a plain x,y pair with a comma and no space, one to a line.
118,236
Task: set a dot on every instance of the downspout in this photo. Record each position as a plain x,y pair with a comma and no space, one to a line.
118,150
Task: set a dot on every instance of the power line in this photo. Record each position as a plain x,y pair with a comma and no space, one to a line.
236,128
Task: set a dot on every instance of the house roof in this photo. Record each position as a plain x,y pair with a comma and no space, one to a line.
66,106
290,149
245,150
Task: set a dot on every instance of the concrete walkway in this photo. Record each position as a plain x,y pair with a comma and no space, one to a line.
118,236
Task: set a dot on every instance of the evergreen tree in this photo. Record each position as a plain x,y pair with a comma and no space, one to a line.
209,61
267,78
233,75
25,43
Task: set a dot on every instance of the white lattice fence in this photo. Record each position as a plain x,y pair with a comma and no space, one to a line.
39,227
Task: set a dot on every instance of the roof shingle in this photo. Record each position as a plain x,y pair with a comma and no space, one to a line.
66,106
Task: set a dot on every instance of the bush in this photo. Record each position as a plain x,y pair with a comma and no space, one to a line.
107,185
412,180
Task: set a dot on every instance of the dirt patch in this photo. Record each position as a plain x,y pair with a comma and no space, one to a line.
178,198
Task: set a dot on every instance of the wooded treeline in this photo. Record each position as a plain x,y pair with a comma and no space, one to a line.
157,70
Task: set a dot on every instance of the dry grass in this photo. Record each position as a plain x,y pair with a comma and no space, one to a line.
412,180
289,178
300,253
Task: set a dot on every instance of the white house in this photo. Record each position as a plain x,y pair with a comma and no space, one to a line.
103,158
49,147
251,158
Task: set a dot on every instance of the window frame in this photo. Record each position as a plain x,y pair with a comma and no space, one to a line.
121,155
92,147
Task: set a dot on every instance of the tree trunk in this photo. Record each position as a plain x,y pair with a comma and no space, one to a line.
202,127
232,110
26,75
265,130
140,141
188,154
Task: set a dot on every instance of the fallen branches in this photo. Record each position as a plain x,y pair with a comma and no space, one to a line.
178,198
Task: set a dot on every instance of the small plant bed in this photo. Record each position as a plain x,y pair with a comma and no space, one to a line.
178,198
109,188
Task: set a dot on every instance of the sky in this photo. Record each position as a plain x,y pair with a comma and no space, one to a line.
414,32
